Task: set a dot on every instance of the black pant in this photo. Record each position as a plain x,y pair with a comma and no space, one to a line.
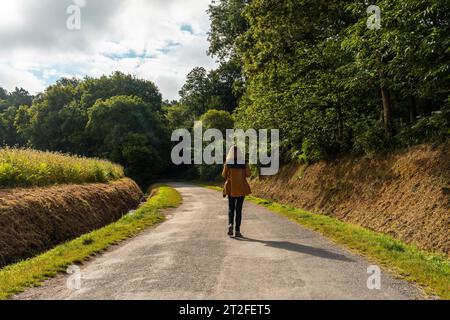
235,205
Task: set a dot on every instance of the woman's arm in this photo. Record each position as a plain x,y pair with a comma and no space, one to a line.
225,171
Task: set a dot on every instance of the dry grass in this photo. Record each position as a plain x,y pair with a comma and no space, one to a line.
405,194
26,168
33,220
15,278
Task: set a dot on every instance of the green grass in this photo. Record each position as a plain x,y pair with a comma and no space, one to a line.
15,278
27,168
429,270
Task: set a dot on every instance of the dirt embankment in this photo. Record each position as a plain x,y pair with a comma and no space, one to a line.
405,194
34,220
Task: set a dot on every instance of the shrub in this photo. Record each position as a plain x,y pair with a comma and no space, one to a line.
432,128
369,137
311,151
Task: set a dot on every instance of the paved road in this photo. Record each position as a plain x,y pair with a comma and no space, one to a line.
190,257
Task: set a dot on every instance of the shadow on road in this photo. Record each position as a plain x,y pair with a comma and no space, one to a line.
291,246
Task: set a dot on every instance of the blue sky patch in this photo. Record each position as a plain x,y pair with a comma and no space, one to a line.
187,28
130,54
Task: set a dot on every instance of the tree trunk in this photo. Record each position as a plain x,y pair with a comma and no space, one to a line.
387,107
387,111
340,125
413,110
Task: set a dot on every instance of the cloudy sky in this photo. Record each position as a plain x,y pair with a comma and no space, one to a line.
159,40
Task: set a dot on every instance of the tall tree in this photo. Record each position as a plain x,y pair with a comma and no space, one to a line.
316,71
3,94
118,84
292,61
227,86
195,93
11,103
127,130
407,57
227,24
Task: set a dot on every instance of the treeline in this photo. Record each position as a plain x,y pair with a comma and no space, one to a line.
311,68
117,117
314,69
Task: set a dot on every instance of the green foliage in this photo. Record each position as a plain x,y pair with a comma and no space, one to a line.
217,119
59,116
227,24
3,94
311,68
220,120
12,107
142,160
369,137
179,117
127,130
119,84
219,89
15,98
100,117
315,70
57,120
28,168
208,173
195,92
310,152
226,86
431,128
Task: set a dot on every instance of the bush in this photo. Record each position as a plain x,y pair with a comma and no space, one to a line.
432,128
217,119
369,137
126,130
311,151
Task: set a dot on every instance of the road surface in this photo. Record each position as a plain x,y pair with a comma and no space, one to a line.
190,257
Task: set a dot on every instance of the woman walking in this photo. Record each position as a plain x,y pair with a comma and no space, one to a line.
235,172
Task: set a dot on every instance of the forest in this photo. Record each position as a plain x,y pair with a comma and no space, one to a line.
311,68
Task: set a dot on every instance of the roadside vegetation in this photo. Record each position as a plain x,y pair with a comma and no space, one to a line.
430,270
27,168
32,272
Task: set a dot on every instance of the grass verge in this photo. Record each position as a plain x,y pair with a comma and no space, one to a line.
429,270
15,278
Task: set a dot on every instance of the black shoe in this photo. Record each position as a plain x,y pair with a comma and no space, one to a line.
230,230
238,234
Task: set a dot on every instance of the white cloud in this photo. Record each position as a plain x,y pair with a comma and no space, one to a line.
11,77
10,14
147,38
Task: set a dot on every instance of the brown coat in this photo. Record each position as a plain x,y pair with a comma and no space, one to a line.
236,184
